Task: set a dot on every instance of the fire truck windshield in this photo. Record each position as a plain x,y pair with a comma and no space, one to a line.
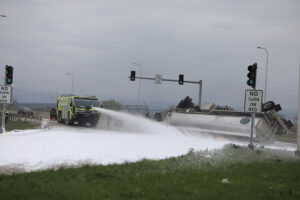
82,103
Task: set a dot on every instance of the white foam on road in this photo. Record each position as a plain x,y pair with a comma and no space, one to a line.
39,149
132,139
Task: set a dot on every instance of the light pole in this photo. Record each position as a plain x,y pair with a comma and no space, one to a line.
3,105
72,75
4,76
265,92
141,70
297,152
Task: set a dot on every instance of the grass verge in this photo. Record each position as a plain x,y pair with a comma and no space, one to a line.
259,174
20,125
287,138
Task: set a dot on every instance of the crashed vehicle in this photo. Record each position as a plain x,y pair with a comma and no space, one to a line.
226,122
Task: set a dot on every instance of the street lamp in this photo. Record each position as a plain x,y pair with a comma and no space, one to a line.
265,92
2,130
141,69
297,152
72,75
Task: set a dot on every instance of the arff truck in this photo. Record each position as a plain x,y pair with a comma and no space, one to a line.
71,109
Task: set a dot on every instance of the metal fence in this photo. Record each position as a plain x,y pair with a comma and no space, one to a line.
48,106
42,110
38,106
141,109
33,118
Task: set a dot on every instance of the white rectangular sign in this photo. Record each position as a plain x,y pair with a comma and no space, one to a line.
158,78
5,94
253,101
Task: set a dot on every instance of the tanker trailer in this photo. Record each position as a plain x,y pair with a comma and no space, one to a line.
228,124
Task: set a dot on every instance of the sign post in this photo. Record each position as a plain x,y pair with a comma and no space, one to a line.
253,104
5,97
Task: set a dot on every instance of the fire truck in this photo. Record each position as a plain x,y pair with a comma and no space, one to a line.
77,109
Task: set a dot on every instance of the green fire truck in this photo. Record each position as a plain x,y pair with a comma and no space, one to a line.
76,109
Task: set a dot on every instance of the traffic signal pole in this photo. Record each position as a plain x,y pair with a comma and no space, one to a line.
3,118
252,82
8,80
3,111
174,80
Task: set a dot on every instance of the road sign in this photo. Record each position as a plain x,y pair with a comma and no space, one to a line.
5,93
158,78
253,101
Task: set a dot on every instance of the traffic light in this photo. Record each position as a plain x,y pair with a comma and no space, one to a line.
181,79
252,75
132,75
9,74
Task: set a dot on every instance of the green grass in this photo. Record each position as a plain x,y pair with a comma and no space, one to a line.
287,138
20,125
261,175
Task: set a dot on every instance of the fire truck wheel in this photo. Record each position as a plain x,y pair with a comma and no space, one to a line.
69,121
59,120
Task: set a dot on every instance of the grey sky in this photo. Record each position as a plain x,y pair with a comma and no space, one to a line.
99,40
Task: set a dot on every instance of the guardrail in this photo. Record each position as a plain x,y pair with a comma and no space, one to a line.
46,107
39,114
37,118
129,108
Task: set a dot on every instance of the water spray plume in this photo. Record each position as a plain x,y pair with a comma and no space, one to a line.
134,123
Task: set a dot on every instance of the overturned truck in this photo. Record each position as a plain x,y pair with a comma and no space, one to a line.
224,121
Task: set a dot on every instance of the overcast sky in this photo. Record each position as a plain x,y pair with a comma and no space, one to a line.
98,40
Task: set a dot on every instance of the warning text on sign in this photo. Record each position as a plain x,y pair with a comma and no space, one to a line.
253,101
5,94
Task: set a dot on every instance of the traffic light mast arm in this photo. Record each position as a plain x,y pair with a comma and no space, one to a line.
176,80
170,80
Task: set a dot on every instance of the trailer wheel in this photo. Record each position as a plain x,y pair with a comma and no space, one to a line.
268,106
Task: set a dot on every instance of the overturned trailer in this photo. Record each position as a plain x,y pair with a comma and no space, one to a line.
228,123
